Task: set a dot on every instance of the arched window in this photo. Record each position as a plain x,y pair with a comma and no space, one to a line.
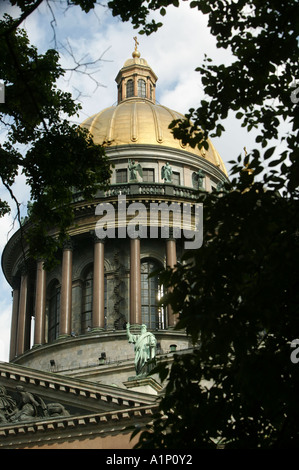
130,88
151,315
141,88
87,297
87,301
54,312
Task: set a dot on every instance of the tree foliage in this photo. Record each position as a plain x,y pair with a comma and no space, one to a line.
54,155
238,300
237,296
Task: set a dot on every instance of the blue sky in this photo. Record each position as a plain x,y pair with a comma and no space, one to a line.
173,53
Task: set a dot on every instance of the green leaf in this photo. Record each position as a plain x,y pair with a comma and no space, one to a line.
269,153
274,162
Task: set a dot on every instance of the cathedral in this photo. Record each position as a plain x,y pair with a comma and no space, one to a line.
85,335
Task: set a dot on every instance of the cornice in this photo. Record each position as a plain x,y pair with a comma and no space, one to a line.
73,386
96,424
126,408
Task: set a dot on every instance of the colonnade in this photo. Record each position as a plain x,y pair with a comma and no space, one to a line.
19,342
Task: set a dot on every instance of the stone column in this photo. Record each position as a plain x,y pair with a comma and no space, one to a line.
40,304
98,308
148,84
135,282
22,313
123,90
171,261
66,290
14,321
135,84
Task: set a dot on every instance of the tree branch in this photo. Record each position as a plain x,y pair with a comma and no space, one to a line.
30,9
82,67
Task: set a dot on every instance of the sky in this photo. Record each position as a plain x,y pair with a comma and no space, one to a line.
173,53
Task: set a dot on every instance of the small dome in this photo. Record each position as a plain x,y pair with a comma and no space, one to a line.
136,60
137,121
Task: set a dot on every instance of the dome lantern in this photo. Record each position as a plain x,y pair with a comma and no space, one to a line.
136,79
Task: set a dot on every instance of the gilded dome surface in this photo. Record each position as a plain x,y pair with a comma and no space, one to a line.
140,121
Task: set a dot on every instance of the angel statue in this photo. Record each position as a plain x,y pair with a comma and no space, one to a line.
166,173
134,168
197,179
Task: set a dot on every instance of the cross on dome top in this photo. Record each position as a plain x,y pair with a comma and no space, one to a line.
136,53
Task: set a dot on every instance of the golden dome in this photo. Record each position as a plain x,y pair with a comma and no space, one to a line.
140,121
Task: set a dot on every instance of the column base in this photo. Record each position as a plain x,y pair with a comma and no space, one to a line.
63,336
135,328
96,329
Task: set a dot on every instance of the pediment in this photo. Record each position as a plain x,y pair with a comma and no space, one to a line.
36,402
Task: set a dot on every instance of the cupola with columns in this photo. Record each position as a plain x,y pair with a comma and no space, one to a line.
136,79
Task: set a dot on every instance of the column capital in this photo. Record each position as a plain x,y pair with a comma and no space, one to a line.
15,283
23,269
171,236
68,244
95,238
40,262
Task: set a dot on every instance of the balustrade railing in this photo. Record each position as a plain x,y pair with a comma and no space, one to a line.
151,189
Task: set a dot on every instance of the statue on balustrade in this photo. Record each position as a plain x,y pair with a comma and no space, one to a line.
134,168
166,173
145,350
197,179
